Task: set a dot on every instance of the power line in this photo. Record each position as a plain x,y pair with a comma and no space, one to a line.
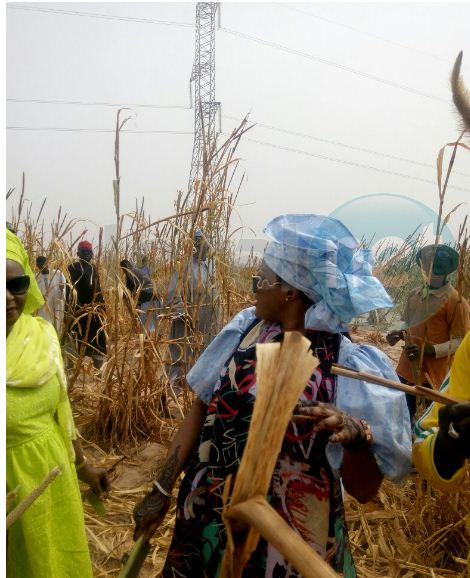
341,144
344,162
94,130
99,16
364,32
90,103
255,141
319,59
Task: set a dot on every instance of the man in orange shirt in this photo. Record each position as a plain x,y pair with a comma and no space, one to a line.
437,318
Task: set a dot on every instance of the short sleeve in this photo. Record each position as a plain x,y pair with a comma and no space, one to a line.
203,376
459,317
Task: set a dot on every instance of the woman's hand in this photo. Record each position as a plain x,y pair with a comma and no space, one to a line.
394,337
326,417
414,351
150,512
96,478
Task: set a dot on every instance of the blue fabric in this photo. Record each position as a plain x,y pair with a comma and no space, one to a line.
322,258
204,374
384,409
148,314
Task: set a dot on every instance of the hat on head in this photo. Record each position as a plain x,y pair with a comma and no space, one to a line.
445,259
86,245
321,257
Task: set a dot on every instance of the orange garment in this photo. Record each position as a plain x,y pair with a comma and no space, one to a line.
442,317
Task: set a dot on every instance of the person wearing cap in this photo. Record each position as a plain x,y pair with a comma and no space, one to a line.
314,279
194,306
437,318
85,306
52,285
49,538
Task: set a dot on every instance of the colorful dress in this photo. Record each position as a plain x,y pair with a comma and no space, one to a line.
48,540
304,490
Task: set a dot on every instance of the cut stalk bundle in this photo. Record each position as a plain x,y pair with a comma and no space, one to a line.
282,373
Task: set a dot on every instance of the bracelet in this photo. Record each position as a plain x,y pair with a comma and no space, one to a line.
81,465
161,490
366,441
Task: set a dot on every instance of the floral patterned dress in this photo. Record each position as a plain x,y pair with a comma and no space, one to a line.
303,490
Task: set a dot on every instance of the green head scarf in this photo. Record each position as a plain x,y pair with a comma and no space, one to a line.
16,252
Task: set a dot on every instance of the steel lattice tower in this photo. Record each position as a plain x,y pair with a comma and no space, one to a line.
203,84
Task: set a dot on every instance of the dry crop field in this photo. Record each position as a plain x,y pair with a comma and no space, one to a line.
406,531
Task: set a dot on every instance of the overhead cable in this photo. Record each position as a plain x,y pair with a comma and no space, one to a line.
337,65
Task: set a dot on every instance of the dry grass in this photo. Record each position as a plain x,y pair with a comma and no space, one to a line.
408,531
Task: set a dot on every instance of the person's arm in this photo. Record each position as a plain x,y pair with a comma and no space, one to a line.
359,471
96,478
150,512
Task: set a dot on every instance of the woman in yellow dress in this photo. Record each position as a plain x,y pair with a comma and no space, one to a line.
48,540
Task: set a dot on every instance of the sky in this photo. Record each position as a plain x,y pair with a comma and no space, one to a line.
364,87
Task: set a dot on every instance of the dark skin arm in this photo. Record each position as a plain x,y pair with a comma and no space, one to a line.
450,453
96,478
150,512
360,473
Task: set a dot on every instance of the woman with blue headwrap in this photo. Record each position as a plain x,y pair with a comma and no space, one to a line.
314,279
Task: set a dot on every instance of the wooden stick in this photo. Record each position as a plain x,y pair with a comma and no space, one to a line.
256,512
417,390
32,496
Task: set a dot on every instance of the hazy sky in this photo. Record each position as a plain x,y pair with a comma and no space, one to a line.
72,57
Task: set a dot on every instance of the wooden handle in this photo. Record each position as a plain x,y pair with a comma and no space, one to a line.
258,513
417,390
32,496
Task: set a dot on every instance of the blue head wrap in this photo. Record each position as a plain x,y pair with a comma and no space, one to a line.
322,258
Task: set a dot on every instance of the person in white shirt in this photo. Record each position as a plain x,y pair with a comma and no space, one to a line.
52,285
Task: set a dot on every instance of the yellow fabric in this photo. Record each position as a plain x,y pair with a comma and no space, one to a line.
457,384
33,358
16,252
49,539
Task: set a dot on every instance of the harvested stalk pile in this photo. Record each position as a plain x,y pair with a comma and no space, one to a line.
282,373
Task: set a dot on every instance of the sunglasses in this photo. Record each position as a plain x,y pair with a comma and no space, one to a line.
18,285
260,283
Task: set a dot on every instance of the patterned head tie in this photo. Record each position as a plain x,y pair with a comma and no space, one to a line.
319,256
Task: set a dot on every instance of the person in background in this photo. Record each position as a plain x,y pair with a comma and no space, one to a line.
144,266
437,318
441,449
85,306
141,287
52,285
314,279
194,305
48,539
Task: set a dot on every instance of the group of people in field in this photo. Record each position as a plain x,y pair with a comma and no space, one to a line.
315,278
